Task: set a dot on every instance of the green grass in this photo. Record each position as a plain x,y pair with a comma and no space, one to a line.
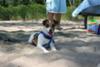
33,11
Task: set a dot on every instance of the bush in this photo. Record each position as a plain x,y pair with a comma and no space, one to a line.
8,13
23,11
37,11
5,13
33,11
15,12
68,15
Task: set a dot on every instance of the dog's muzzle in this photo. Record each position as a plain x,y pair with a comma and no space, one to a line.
50,32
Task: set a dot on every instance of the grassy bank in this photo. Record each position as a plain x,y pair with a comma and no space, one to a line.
33,11
29,12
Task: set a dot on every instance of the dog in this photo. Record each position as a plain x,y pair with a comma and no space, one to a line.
45,38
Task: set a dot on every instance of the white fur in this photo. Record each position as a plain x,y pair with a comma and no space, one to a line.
31,37
42,40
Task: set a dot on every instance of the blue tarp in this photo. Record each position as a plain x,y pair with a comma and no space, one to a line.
84,5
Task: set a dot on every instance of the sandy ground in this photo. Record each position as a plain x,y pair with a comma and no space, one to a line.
76,47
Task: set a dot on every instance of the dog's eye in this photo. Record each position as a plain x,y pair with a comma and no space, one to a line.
53,25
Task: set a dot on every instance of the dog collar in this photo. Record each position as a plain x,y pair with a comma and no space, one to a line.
47,46
46,36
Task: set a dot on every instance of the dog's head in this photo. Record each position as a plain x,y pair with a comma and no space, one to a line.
50,26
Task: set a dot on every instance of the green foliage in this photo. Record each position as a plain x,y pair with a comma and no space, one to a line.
15,12
15,2
37,11
23,12
39,1
28,9
33,11
68,14
6,3
78,2
25,2
5,13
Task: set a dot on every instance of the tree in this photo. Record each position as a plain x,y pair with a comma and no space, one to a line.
3,3
25,2
40,1
15,2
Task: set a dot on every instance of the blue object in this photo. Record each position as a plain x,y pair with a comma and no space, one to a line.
94,27
99,30
56,6
47,46
86,4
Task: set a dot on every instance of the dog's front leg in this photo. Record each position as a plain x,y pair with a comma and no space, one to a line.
44,50
53,48
41,42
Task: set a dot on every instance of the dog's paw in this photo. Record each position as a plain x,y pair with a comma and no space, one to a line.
54,49
46,51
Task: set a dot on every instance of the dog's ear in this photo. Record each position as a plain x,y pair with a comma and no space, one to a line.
45,22
56,22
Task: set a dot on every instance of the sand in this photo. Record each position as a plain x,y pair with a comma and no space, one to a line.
76,47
